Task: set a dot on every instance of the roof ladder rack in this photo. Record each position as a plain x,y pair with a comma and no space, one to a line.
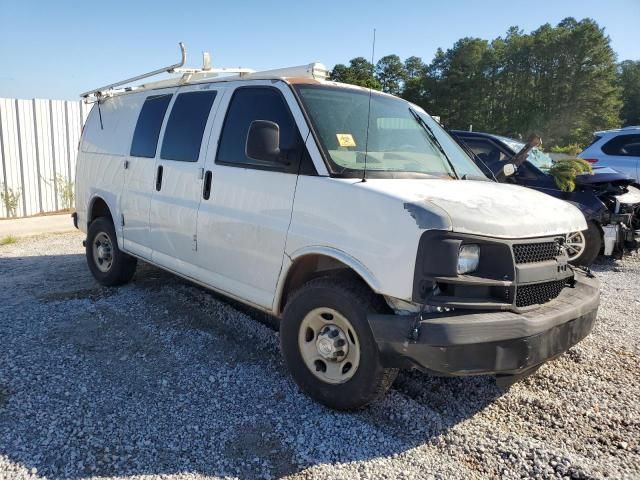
98,92
189,75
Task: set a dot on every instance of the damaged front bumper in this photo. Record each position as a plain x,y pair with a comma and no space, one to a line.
620,237
498,342
621,234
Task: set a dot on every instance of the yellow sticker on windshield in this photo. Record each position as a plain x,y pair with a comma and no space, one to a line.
345,140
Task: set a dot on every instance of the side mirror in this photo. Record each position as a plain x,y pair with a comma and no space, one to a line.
263,141
509,169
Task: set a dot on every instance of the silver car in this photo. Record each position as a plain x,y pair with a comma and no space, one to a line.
618,149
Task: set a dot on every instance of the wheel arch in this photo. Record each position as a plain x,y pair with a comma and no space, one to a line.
98,207
310,263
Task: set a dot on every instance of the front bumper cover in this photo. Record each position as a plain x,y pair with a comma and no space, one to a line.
499,342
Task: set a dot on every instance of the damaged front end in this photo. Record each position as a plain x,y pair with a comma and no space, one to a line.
621,220
521,305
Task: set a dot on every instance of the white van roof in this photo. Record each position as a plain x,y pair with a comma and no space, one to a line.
311,71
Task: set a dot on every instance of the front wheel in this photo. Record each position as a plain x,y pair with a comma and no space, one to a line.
109,265
329,347
584,247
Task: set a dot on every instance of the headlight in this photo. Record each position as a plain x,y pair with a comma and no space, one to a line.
468,258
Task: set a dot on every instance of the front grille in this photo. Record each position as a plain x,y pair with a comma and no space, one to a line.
539,293
536,252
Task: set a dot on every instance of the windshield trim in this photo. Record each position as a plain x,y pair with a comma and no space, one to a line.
312,129
435,141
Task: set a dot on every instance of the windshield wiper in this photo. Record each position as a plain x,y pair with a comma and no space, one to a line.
433,139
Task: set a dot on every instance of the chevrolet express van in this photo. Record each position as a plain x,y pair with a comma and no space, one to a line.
350,215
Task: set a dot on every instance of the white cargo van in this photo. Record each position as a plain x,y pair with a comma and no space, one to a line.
350,215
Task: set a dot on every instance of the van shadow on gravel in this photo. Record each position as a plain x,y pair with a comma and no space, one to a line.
160,377
4,396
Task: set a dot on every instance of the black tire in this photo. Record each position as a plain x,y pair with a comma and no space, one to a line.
593,246
352,299
122,266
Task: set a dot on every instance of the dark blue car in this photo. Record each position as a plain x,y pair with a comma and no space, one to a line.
610,200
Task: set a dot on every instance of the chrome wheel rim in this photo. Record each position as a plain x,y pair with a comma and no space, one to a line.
103,252
575,245
329,345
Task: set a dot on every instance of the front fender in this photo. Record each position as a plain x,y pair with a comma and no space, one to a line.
337,254
591,206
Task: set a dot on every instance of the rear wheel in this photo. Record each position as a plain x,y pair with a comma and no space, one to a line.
328,345
584,247
108,264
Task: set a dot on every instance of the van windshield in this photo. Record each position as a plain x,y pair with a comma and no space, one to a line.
396,142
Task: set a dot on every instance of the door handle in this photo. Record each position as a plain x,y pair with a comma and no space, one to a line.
159,178
206,190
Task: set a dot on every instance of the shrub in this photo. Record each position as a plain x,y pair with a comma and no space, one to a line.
66,191
10,198
565,171
572,149
9,239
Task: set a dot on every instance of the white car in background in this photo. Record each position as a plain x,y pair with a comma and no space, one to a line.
618,149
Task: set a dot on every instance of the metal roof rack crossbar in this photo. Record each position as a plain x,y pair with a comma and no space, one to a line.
170,69
189,75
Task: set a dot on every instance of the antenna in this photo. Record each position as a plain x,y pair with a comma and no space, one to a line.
366,142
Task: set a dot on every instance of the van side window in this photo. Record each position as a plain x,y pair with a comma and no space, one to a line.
145,136
185,127
256,103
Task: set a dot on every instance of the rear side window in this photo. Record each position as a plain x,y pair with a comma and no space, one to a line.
249,104
145,136
185,127
623,145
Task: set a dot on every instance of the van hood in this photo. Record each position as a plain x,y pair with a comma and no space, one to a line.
481,208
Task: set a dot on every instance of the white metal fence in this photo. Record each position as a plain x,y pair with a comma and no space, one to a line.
38,148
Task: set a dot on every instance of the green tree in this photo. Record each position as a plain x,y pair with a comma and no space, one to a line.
391,74
560,82
629,80
455,84
359,72
415,85
575,69
416,72
414,68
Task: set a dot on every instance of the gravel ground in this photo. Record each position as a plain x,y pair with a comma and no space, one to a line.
160,378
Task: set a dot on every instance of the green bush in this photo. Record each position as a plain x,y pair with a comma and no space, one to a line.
10,198
572,149
66,191
565,171
8,240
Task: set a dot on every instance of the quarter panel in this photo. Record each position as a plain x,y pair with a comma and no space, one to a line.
102,175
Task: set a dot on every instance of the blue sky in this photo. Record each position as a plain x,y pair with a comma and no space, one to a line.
57,49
